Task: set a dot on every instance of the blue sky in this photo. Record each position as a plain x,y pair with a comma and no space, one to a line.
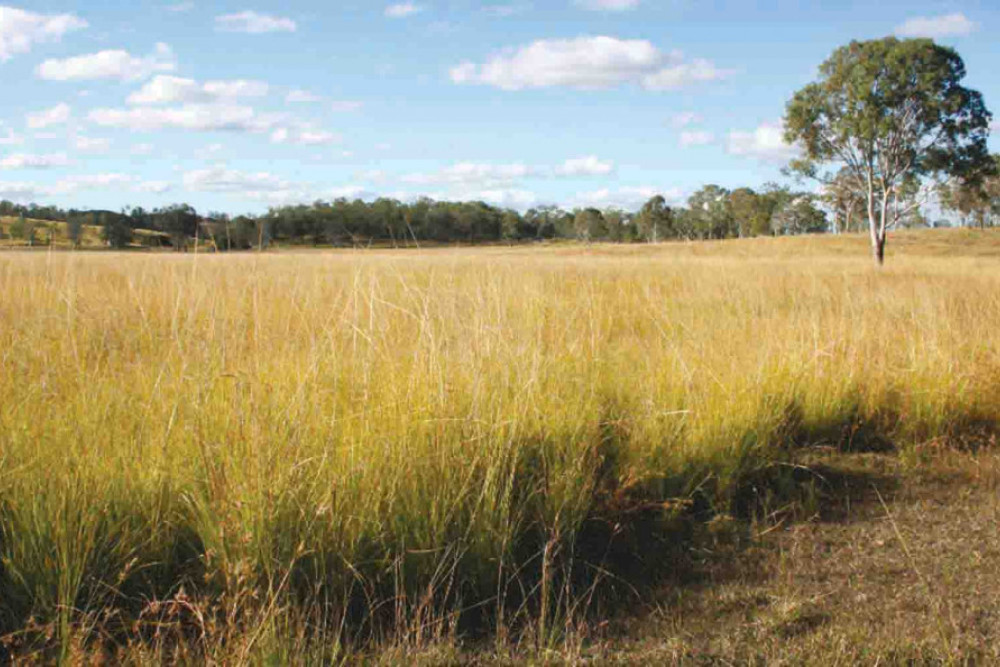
237,106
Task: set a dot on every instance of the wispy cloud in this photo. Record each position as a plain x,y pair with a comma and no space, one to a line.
254,23
606,5
57,115
947,25
402,10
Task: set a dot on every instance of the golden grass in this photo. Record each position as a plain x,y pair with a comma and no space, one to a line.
387,444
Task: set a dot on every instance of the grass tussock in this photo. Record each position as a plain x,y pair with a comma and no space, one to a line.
209,456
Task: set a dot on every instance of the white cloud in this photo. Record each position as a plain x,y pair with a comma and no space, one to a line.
345,106
164,89
607,5
57,115
92,144
947,25
116,181
253,23
683,74
466,173
304,136
112,64
20,29
195,117
92,181
299,96
222,179
29,161
587,63
142,149
180,7
685,118
585,166
503,197
45,136
261,186
696,138
401,10
765,143
628,197
384,146
21,191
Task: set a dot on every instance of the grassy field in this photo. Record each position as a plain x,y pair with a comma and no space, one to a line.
303,455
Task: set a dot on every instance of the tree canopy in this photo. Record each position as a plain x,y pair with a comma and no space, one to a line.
890,112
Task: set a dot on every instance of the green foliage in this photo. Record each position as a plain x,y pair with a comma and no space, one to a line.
654,220
19,228
890,111
116,229
74,229
976,200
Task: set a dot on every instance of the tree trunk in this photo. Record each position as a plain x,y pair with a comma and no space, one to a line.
878,250
877,240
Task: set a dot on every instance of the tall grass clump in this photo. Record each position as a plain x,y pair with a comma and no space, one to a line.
334,448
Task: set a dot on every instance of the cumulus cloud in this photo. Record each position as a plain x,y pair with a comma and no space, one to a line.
585,166
606,5
111,64
300,96
180,7
587,63
91,144
141,149
947,25
253,23
57,115
401,10
195,117
20,29
30,161
164,89
696,138
766,143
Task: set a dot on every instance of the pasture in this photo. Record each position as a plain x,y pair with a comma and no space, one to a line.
311,453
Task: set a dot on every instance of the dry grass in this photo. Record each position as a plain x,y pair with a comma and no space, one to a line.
286,455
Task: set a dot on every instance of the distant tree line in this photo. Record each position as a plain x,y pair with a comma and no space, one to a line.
713,212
